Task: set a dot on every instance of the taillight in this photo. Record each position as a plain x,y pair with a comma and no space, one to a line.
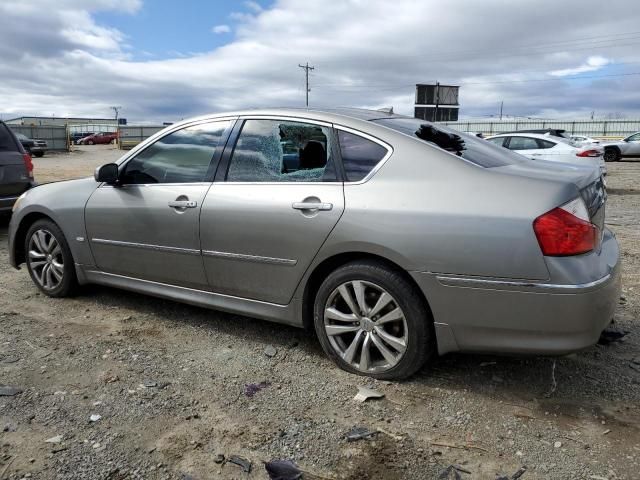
589,153
28,164
566,230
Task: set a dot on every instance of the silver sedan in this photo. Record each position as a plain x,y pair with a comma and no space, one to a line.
394,238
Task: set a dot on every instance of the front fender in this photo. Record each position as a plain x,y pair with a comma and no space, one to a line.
63,203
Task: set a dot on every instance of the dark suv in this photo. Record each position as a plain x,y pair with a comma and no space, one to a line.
16,169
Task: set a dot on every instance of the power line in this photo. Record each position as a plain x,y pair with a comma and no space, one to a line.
558,79
306,68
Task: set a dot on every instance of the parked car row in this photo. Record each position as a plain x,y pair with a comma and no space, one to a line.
394,238
536,146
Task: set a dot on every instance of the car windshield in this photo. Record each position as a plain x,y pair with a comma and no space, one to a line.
471,148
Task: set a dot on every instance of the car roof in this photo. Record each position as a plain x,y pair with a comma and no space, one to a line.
531,135
331,114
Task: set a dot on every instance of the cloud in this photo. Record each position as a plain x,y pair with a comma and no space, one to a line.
253,6
591,65
365,53
221,29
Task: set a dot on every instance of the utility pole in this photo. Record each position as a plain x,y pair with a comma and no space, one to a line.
501,105
116,110
306,72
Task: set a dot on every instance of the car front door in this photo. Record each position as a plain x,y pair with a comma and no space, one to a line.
633,145
147,226
278,198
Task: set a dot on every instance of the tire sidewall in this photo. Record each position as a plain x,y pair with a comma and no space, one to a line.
69,281
416,315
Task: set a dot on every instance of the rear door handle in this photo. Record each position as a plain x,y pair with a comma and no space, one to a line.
183,204
312,206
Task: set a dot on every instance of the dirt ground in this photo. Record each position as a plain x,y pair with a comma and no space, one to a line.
172,385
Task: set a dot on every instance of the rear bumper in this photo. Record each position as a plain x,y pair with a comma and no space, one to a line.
517,317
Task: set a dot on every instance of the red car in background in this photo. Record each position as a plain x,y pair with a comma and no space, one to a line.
99,138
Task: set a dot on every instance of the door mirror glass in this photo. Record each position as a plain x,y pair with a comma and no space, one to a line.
107,173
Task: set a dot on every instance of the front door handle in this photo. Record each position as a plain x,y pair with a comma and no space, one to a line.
183,204
312,206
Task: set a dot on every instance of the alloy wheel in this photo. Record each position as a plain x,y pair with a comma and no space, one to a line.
45,259
366,326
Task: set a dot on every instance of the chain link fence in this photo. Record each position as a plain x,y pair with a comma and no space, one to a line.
56,136
130,136
592,128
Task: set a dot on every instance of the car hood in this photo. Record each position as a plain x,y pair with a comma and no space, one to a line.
581,176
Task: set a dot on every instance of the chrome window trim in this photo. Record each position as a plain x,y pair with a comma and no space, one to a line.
250,258
146,246
362,134
285,118
277,183
136,185
454,281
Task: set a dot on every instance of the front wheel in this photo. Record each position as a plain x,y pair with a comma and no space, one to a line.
372,321
49,259
90,142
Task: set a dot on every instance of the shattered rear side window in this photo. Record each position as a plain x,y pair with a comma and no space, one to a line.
475,150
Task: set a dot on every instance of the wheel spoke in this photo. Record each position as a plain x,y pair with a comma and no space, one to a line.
52,244
340,329
365,357
57,272
337,315
386,353
56,250
382,302
393,315
34,254
49,277
38,263
358,288
397,343
42,241
350,353
346,296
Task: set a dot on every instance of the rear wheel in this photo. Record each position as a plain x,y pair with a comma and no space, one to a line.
371,321
49,259
611,155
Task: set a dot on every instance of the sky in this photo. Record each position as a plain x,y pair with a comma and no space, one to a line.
162,60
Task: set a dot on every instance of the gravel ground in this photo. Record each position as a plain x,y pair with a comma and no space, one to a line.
169,383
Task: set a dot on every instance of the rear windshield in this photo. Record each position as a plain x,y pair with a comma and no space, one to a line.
6,140
475,150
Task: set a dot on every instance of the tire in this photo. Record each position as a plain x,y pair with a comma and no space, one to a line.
39,154
611,155
413,332
50,263
90,142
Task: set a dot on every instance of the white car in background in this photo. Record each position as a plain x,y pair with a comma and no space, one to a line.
551,148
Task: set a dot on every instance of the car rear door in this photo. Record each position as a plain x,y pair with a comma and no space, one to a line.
147,226
528,147
276,198
14,177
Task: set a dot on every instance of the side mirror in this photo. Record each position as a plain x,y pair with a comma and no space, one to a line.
107,173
